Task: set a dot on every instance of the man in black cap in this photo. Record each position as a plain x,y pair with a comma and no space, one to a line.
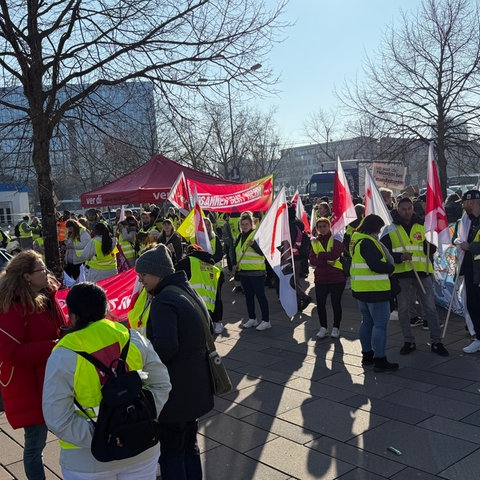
471,264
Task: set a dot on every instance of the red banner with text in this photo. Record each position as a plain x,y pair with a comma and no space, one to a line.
119,291
255,196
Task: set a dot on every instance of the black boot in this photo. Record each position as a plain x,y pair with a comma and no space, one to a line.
367,358
383,365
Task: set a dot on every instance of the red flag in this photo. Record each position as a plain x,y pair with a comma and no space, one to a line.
179,195
436,223
300,212
343,208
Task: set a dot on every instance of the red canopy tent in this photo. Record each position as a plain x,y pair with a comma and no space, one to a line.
149,183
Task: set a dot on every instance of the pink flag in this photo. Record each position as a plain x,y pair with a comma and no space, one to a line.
343,208
437,231
300,212
375,204
273,238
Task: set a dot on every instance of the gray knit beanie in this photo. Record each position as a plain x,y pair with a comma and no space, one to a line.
156,261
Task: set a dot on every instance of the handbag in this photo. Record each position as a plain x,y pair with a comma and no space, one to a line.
221,383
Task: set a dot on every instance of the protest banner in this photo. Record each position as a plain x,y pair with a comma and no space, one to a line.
389,175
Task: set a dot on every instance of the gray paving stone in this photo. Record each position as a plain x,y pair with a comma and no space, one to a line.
387,409
290,431
366,461
332,419
222,462
263,373
206,444
466,468
298,461
240,380
318,389
473,419
359,474
269,398
464,367
421,449
234,433
255,357
431,403
232,409
5,475
433,379
413,474
454,428
460,395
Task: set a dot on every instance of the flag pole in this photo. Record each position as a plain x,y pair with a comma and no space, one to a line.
422,288
450,305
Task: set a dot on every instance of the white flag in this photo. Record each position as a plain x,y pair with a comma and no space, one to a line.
201,234
300,212
375,204
273,238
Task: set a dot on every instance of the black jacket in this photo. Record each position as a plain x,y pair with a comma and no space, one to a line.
176,332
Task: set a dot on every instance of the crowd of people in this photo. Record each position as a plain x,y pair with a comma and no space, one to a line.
181,284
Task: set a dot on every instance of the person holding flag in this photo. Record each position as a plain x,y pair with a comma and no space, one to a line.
470,266
250,267
412,254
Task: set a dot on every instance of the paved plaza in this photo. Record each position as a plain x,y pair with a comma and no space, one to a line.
302,409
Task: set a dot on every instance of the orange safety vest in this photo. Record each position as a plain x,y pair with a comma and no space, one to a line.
61,231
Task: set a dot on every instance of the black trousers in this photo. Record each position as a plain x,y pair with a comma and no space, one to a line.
336,291
472,291
179,453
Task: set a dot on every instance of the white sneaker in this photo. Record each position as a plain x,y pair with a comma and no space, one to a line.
335,332
473,347
264,326
218,328
322,333
251,322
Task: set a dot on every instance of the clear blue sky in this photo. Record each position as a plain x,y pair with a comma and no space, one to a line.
325,47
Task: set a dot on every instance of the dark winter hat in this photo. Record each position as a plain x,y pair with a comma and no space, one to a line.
471,195
156,261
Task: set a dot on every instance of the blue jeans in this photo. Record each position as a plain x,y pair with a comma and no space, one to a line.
35,440
179,453
373,329
255,287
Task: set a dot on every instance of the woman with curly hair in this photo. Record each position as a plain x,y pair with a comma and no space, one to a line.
30,321
100,254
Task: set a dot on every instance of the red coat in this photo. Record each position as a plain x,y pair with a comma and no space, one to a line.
324,272
25,345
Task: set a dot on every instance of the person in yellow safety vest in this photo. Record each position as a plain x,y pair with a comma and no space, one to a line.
409,250
127,236
77,239
371,266
36,228
39,246
215,242
25,238
173,217
206,279
100,255
4,238
70,377
251,270
329,277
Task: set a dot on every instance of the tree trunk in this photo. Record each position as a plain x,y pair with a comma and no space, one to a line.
41,162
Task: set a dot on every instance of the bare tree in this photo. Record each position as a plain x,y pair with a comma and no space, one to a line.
61,53
424,83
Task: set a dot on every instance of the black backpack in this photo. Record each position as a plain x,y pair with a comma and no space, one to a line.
127,423
17,230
